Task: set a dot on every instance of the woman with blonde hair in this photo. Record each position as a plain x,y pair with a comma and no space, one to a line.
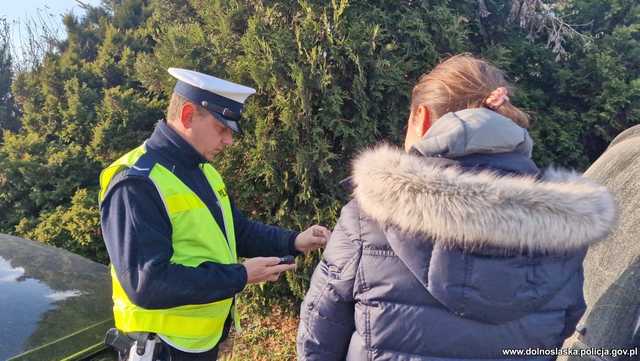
458,247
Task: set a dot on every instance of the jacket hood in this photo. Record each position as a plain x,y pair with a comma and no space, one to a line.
559,211
474,131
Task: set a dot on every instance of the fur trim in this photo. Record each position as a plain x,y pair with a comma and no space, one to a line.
563,211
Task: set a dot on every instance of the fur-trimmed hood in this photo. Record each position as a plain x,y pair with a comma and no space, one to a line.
560,211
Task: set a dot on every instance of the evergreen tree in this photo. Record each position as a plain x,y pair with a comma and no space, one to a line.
8,110
581,101
81,109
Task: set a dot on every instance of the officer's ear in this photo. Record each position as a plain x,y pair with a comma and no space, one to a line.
186,115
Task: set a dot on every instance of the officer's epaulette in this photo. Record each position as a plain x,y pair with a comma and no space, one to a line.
142,167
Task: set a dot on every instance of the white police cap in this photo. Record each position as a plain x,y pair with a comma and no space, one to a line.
221,98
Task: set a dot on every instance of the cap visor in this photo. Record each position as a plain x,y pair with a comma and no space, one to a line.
231,124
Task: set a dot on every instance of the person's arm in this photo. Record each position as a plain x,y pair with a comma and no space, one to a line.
327,312
255,239
137,233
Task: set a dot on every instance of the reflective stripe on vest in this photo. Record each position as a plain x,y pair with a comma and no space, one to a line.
196,238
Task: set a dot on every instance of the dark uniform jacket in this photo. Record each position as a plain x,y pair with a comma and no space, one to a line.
457,251
137,232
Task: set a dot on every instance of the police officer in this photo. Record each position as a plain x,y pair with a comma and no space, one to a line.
172,233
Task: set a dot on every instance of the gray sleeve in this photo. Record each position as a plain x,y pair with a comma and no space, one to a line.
327,312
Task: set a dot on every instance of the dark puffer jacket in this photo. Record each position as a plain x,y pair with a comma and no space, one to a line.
456,252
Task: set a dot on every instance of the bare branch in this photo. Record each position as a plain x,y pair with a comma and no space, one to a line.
482,9
83,5
538,18
37,36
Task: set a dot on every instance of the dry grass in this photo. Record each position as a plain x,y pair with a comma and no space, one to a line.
265,338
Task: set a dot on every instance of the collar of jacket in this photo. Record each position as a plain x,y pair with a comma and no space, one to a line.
474,131
170,145
558,211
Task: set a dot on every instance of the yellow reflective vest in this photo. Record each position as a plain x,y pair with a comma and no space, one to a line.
196,238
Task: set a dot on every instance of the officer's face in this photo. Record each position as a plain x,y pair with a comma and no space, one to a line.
208,135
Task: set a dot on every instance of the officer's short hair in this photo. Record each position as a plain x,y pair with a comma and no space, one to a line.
175,107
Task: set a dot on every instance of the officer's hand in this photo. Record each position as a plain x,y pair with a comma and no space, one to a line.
260,269
312,238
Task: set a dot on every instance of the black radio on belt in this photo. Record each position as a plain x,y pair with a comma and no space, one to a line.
118,340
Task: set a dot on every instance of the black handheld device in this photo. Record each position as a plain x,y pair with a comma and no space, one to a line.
287,260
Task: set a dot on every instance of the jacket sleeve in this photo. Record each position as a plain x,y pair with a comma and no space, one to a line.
327,312
254,239
575,311
137,233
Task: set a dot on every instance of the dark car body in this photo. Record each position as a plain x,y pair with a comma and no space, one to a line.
54,305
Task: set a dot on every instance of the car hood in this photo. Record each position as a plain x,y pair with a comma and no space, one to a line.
53,304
